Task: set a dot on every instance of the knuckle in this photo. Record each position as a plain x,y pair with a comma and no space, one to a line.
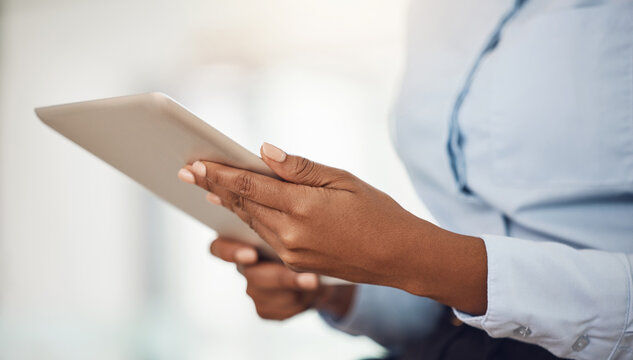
237,202
343,177
300,207
211,179
304,207
244,184
353,181
344,174
304,169
290,239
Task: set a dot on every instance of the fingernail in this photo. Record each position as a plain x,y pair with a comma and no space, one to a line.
273,152
214,199
308,281
186,176
245,256
199,169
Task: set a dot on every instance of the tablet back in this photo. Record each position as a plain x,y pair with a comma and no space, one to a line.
149,137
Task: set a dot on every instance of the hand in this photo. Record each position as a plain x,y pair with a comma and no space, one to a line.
320,219
278,292
325,220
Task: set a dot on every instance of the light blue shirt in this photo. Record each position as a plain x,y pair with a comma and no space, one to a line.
515,123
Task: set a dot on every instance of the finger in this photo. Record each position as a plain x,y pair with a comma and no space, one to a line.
247,210
186,175
233,251
276,276
277,298
299,170
258,217
198,173
276,313
220,193
250,212
262,189
259,223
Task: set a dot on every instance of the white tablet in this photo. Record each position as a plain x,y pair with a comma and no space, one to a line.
149,137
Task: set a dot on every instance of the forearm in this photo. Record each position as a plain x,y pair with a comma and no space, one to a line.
430,262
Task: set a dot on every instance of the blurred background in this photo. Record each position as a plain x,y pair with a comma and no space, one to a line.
92,266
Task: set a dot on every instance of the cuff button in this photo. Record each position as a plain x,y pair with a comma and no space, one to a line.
580,343
522,331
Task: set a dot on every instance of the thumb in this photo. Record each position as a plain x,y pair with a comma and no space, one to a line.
298,170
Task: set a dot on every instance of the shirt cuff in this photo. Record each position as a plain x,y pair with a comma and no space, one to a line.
575,303
352,322
389,316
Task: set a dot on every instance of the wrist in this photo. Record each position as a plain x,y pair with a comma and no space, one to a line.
335,299
447,267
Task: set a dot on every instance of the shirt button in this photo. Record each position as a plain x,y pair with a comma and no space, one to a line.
522,331
580,343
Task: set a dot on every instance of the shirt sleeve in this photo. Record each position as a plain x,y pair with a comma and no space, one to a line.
389,316
575,303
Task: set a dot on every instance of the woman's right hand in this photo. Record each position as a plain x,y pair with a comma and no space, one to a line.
278,292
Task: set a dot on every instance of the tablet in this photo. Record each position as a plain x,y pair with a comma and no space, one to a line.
149,137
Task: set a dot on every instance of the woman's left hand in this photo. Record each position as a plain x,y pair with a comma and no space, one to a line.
323,220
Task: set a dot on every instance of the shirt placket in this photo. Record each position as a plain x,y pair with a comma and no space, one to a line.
455,141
